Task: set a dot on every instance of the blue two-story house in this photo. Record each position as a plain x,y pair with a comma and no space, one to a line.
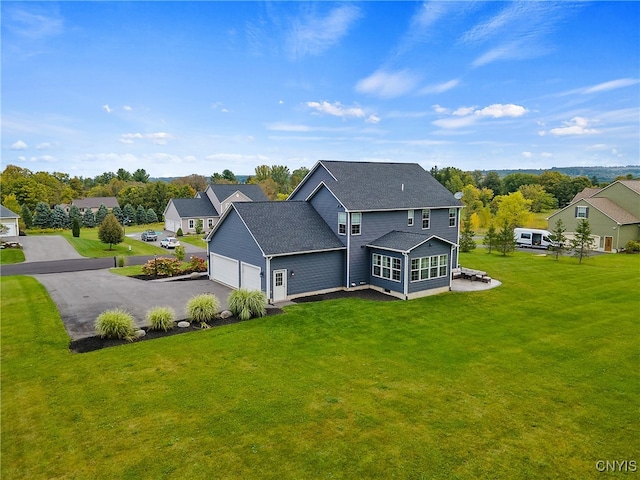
348,225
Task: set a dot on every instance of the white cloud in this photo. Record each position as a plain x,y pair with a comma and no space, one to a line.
388,84
336,109
455,122
128,108
462,111
613,84
440,109
44,146
34,24
498,110
576,126
527,154
546,154
159,138
440,87
314,34
373,119
107,108
19,145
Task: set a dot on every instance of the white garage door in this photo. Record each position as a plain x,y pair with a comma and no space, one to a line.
11,230
250,277
224,270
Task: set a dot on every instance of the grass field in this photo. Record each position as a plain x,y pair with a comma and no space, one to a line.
89,245
11,255
538,378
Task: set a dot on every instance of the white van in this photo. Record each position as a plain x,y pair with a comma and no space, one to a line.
532,237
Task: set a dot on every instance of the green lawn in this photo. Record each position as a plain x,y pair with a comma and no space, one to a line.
11,255
88,244
538,378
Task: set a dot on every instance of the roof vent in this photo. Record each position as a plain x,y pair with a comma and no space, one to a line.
403,187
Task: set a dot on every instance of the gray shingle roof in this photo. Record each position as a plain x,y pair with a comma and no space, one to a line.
402,241
6,213
195,207
386,186
223,191
287,227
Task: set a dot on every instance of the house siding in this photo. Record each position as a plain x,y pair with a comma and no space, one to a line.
313,272
623,196
318,176
328,207
600,224
226,242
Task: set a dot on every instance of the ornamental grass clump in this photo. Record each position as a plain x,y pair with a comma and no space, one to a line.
161,318
115,324
203,308
246,304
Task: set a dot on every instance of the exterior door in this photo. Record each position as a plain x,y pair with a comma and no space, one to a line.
279,285
608,244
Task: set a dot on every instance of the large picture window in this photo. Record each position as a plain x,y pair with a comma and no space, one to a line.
426,268
386,267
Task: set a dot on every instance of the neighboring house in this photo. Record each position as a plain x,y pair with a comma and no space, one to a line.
207,206
93,203
348,225
9,220
613,213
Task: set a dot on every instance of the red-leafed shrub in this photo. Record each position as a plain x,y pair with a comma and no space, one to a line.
162,267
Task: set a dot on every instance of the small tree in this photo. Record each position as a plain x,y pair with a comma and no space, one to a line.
110,231
141,215
490,238
179,232
129,214
101,214
75,227
43,216
88,219
506,243
74,212
151,216
558,238
25,213
466,235
582,243
117,211
59,218
199,227
179,252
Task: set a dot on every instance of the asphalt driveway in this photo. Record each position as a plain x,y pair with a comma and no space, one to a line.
44,248
82,296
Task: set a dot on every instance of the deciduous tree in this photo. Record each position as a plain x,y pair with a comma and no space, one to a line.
110,231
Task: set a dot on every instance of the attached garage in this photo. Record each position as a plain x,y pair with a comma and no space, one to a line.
250,277
225,270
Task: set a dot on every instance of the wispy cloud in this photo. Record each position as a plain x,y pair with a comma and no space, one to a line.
19,145
33,23
465,116
336,109
602,87
440,87
313,33
386,84
158,138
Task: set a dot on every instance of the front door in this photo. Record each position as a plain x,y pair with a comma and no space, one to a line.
608,244
279,285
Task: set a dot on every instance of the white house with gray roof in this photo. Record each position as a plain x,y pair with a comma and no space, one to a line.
348,225
207,206
9,221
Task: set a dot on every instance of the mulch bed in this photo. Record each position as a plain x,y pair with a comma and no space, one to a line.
90,344
366,294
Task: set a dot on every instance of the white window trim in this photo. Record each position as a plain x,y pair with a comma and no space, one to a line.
344,223
410,214
392,261
442,262
454,217
581,209
353,223
192,224
428,219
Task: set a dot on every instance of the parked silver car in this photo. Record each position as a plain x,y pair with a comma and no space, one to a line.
149,236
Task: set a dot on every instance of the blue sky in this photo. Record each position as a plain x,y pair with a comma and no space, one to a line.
198,87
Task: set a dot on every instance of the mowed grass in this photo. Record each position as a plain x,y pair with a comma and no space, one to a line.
11,255
535,379
89,245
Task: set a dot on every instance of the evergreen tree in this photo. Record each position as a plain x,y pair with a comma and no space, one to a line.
490,238
558,238
129,215
151,216
141,215
101,214
119,214
466,234
88,219
75,227
506,243
110,231
582,243
74,212
25,213
59,218
43,216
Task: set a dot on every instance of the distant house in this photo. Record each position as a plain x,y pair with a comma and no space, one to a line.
207,206
93,203
390,227
613,213
9,220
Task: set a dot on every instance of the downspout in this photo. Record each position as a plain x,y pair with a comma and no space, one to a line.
406,275
458,239
618,239
348,232
268,279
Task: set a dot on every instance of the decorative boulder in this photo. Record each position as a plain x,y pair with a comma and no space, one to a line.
225,314
184,324
140,333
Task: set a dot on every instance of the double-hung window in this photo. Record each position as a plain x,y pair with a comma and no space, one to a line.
452,217
426,218
582,212
192,224
410,218
426,268
356,223
386,267
342,223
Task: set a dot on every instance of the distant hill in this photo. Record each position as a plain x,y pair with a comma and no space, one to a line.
604,174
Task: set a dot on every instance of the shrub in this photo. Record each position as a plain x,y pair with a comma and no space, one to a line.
115,324
632,246
122,261
179,252
166,267
197,264
179,232
202,308
161,318
246,304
